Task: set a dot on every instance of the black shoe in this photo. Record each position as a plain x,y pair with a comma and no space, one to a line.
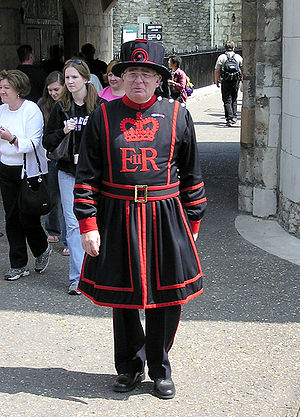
164,388
229,123
127,382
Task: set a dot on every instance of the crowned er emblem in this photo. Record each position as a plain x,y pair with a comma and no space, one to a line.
139,129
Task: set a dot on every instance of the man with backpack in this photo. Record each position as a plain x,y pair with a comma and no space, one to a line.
228,71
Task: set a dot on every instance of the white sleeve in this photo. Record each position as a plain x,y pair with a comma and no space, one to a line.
33,131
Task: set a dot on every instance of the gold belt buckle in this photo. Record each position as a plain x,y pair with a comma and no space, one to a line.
143,198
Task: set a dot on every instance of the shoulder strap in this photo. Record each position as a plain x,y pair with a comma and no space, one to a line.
36,157
64,112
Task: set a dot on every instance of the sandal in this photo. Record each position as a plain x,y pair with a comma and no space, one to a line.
66,252
53,239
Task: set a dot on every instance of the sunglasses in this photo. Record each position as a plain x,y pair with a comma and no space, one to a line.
77,61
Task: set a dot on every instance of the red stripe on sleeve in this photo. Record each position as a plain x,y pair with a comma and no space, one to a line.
85,201
194,187
86,187
195,203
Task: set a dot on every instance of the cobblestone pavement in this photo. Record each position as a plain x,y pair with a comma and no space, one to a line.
236,352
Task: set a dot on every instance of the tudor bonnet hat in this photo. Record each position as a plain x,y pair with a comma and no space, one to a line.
141,52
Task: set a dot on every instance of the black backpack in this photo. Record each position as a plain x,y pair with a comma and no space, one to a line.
231,70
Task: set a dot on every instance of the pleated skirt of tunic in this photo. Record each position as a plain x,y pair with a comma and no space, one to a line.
147,256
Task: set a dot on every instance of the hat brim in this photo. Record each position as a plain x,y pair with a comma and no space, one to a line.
120,67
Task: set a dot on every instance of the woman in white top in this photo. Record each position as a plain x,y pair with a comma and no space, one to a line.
21,123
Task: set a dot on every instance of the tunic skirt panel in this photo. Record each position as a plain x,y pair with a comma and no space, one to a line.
156,232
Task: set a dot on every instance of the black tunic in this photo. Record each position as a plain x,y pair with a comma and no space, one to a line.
147,257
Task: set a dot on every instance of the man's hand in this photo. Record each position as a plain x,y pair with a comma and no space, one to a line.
90,242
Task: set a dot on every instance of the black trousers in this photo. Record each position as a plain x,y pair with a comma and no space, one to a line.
229,91
133,346
19,226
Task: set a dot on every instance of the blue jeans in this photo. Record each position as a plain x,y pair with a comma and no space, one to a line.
66,184
52,220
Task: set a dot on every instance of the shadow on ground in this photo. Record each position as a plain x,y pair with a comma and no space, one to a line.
63,384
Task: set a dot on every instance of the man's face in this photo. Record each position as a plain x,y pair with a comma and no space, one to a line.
140,83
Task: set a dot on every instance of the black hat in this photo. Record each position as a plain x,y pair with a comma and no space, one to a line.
141,52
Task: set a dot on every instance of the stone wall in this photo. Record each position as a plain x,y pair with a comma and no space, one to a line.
289,197
261,113
228,22
187,24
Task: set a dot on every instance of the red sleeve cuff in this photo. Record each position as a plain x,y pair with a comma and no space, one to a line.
195,225
87,225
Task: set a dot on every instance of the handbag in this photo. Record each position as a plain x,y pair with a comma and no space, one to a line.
34,198
61,152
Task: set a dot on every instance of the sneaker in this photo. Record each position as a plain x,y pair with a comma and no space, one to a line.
73,289
229,123
42,261
16,273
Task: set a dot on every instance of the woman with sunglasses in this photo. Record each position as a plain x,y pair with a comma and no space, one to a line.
78,99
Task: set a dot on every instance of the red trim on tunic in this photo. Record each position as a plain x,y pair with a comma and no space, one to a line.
194,203
155,243
186,282
103,287
107,140
137,106
85,201
142,249
86,187
173,138
195,225
128,241
194,187
88,224
137,306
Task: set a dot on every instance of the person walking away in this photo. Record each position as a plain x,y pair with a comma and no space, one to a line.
52,91
115,88
228,72
35,74
139,200
96,66
21,124
71,113
178,79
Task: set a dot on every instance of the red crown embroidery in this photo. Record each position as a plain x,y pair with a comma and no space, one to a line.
137,132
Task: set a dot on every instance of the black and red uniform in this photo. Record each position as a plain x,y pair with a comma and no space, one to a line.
139,183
